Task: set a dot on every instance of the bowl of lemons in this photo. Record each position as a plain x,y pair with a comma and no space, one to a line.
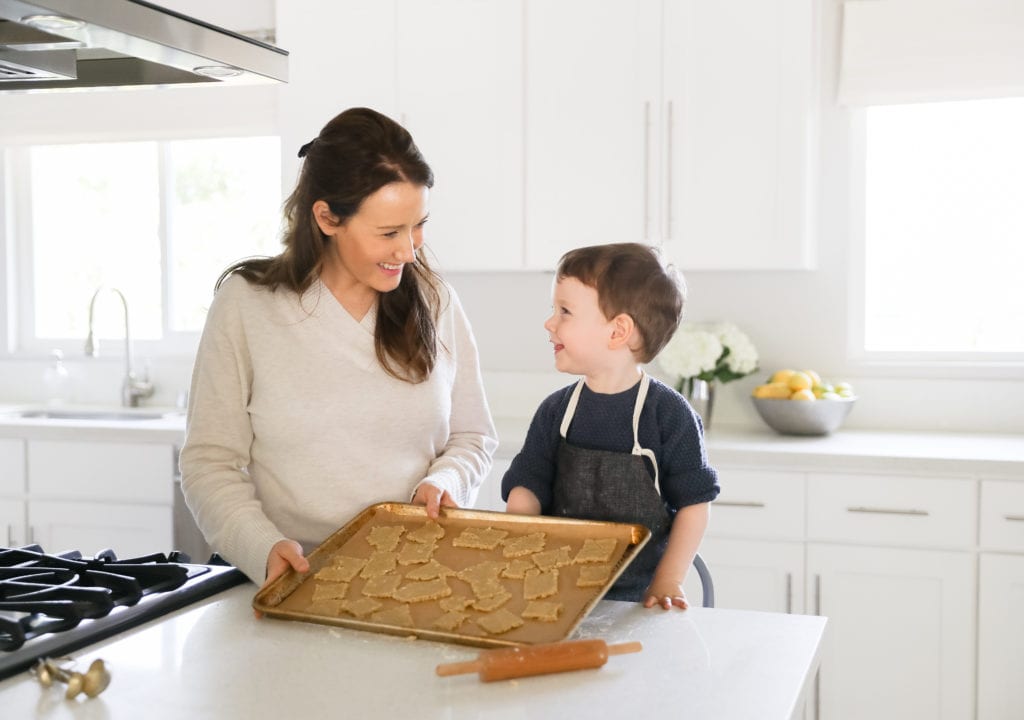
799,402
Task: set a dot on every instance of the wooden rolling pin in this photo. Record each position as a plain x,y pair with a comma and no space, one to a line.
556,657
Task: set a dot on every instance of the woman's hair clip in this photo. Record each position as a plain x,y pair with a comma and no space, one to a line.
304,150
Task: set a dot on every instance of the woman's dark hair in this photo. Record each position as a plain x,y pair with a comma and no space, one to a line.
357,153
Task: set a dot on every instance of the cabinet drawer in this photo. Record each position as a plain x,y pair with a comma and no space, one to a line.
112,471
12,467
755,503
1002,515
891,510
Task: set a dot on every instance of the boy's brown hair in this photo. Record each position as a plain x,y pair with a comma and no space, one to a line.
631,278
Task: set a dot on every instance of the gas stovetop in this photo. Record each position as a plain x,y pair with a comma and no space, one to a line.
51,605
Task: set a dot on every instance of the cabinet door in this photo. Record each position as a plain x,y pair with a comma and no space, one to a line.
89,470
129,530
752,575
12,522
739,98
1001,627
490,492
460,93
12,466
900,640
592,72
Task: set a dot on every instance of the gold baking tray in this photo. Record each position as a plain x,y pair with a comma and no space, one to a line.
289,596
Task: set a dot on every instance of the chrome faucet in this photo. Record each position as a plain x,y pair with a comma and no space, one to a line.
133,388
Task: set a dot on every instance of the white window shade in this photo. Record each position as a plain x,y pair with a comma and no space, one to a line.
904,51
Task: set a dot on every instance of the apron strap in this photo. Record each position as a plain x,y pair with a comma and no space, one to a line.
571,409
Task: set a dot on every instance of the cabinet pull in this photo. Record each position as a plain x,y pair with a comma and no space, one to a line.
789,592
1014,518
647,171
817,594
739,503
10,535
887,511
668,176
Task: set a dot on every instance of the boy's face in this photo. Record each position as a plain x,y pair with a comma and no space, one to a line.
578,329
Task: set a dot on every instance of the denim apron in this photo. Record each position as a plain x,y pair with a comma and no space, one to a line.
616,487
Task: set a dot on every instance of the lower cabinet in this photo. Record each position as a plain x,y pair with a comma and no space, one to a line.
751,575
900,639
128,530
1000,635
12,522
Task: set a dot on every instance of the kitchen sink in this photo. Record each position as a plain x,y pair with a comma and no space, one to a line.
125,415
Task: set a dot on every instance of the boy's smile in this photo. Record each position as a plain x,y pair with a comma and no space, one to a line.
577,328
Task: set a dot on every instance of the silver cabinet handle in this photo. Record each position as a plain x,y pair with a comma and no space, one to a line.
10,535
887,511
739,503
647,171
789,592
31,539
668,176
1014,518
817,594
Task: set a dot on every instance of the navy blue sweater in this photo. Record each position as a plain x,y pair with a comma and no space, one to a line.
668,426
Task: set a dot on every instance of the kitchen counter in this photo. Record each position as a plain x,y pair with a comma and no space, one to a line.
169,427
214,660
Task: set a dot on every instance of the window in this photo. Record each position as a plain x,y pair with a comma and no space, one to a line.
158,221
944,231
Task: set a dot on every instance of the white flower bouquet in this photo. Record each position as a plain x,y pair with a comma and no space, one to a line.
709,352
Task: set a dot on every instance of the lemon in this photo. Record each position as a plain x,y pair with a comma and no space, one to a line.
804,394
815,377
800,381
781,376
777,390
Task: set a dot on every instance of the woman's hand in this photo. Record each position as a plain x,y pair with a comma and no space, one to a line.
433,497
285,554
665,594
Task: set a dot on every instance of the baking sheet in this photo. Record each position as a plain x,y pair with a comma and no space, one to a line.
289,597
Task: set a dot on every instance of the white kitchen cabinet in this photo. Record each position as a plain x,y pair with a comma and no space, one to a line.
752,575
12,522
1000,630
12,492
130,530
900,641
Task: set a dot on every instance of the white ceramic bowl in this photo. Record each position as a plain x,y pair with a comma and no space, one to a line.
803,417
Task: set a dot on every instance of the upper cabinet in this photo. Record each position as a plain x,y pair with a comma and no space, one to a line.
552,124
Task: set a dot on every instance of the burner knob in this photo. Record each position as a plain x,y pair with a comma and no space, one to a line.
97,677
76,683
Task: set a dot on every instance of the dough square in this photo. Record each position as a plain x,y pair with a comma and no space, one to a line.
382,586
329,591
538,584
594,575
499,621
380,563
329,607
486,570
596,550
517,567
454,602
487,587
423,590
553,558
385,537
414,553
479,538
399,615
542,610
428,533
346,566
493,602
429,570
524,545
333,573
451,620
362,607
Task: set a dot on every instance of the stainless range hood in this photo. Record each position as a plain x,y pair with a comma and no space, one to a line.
64,44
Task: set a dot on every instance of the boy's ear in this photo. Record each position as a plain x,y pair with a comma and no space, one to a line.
623,332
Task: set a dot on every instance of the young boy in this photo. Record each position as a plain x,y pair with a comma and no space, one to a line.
618,445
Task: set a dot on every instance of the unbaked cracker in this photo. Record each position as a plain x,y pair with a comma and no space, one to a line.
596,550
499,622
330,607
385,537
553,558
486,570
329,591
361,607
516,568
487,587
538,584
454,602
542,610
347,567
429,533
524,544
381,562
451,620
479,538
423,590
594,575
429,571
414,553
398,615
333,573
493,602
382,586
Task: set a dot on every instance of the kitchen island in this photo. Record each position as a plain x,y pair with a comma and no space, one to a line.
214,660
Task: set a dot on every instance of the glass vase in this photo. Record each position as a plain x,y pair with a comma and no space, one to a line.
701,396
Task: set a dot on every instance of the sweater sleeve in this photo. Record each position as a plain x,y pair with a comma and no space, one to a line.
536,465
687,477
218,438
466,459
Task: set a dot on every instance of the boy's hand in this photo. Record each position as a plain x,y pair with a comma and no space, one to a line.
665,594
522,502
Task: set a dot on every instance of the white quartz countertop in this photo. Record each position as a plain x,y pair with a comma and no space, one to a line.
168,427
214,660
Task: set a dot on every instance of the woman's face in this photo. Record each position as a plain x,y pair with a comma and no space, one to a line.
371,248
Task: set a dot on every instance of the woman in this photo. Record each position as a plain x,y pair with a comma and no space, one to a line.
342,372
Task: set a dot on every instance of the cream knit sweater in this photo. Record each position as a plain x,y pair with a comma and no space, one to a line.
293,426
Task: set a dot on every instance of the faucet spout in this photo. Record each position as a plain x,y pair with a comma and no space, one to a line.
133,388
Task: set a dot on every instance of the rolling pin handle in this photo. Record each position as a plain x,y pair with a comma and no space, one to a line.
459,668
